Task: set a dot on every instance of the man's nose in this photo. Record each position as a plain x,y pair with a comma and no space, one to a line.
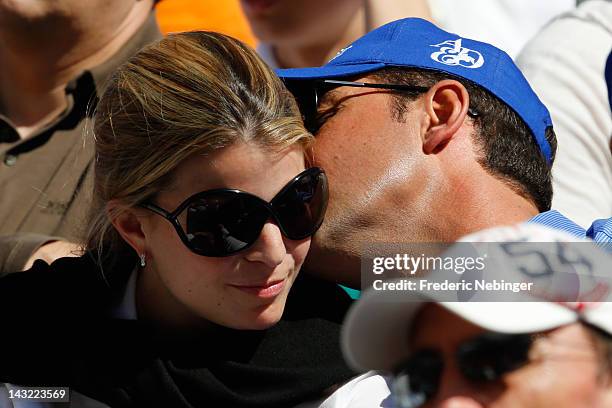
457,392
459,401
269,248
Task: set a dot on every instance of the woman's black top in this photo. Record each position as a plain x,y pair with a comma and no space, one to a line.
56,331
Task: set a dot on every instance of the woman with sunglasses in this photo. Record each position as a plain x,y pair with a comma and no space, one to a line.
202,214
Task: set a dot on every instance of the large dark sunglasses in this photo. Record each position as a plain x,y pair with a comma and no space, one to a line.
309,94
483,359
224,221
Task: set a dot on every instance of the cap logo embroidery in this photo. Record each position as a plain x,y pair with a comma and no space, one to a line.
452,53
342,51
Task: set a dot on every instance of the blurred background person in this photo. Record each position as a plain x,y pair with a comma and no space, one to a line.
307,33
528,353
55,58
507,24
568,72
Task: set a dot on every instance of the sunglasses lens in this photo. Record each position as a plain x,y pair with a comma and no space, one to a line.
223,223
417,380
490,356
300,207
305,95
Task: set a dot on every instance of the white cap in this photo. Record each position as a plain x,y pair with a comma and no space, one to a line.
376,332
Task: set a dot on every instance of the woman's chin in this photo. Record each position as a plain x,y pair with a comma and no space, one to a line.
262,321
265,321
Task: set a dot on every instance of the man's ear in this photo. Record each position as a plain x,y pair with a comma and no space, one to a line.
128,223
446,104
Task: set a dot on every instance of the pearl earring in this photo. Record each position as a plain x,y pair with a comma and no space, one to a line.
143,261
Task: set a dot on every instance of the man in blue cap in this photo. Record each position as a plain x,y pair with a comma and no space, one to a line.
425,136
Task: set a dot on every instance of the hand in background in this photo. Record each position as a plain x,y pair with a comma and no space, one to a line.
53,250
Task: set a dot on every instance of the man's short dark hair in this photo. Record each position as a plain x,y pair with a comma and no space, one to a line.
508,149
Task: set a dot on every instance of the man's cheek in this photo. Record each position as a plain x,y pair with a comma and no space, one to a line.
547,384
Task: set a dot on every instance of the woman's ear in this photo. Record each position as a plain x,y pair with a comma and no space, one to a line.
446,104
128,223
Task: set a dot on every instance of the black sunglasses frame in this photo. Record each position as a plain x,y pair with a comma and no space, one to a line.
511,351
172,217
309,113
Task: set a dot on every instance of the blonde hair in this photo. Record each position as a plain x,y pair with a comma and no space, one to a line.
193,92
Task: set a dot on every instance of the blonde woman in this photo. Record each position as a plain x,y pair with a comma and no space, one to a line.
202,215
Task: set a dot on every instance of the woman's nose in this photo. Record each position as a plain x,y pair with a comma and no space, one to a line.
269,248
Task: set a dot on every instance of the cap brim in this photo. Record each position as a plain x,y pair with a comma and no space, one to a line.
327,71
376,332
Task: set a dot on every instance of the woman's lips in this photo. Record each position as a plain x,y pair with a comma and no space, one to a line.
265,291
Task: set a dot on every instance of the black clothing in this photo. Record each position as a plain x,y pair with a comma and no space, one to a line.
58,333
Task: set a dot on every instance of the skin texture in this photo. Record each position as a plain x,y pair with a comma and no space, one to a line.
181,289
304,32
411,180
45,44
308,33
298,21
543,382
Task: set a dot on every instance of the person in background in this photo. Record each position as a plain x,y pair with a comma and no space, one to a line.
568,73
55,58
507,24
203,209
306,33
528,353
425,136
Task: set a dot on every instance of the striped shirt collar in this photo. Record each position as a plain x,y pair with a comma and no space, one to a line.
600,230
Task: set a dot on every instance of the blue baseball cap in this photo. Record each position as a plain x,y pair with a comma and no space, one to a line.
414,42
